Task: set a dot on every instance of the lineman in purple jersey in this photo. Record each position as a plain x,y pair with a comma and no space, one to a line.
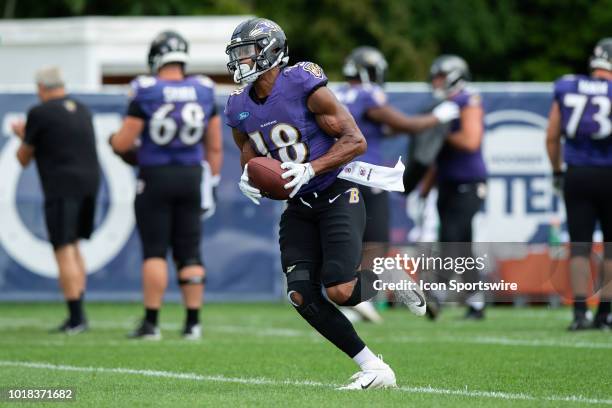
460,174
364,70
290,114
170,119
580,113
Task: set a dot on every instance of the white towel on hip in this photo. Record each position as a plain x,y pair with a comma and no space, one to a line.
372,175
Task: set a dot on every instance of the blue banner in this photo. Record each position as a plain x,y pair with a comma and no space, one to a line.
240,242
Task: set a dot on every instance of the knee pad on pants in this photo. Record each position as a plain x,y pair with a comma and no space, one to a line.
302,293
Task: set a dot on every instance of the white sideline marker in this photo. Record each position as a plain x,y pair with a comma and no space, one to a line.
267,381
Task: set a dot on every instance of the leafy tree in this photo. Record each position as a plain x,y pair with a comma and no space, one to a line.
535,40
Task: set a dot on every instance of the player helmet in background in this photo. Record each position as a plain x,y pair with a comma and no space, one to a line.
602,55
260,40
168,47
455,71
366,64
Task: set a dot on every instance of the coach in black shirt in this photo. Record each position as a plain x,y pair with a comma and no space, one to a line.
59,135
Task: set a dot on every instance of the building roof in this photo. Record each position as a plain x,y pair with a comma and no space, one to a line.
90,48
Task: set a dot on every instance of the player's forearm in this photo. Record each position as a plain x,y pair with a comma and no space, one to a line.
463,140
343,151
246,153
553,148
125,139
429,180
399,122
553,137
415,124
119,144
242,142
215,160
214,145
24,154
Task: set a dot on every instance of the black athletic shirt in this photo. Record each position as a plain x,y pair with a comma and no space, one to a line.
62,134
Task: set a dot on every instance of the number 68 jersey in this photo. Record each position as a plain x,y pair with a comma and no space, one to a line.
176,114
281,126
586,106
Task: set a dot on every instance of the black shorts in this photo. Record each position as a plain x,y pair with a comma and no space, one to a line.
377,214
69,219
457,205
168,212
324,231
588,199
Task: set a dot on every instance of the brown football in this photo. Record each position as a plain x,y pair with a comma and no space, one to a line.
265,174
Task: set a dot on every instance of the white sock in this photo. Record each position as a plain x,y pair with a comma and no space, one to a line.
366,357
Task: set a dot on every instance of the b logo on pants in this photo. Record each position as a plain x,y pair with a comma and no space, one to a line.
354,195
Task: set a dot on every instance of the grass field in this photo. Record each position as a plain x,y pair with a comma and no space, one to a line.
265,355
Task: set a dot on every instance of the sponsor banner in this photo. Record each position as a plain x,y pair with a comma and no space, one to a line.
240,242
239,245
520,204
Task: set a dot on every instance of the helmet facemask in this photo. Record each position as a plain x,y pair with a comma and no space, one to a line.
250,59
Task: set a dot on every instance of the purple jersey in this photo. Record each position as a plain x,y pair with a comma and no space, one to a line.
176,114
585,104
460,166
359,99
282,127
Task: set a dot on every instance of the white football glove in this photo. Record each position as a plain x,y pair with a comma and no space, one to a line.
301,173
248,190
446,111
208,189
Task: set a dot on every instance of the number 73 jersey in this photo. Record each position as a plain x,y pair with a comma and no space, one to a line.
586,106
281,126
176,114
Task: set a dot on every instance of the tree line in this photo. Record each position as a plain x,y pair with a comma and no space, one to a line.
505,40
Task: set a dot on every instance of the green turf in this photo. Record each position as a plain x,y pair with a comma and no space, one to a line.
523,357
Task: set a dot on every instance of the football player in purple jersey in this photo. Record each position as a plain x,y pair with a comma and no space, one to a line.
581,114
173,119
288,113
459,172
363,94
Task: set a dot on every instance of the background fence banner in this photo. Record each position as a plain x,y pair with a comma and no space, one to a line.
240,242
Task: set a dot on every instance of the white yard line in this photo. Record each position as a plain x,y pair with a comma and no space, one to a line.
267,381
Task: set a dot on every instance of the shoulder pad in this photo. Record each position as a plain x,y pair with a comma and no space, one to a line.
145,81
568,77
140,84
312,68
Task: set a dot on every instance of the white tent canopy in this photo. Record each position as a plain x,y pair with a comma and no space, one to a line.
89,48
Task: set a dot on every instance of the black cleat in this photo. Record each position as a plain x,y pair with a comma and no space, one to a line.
146,331
581,321
474,314
603,321
433,308
71,329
